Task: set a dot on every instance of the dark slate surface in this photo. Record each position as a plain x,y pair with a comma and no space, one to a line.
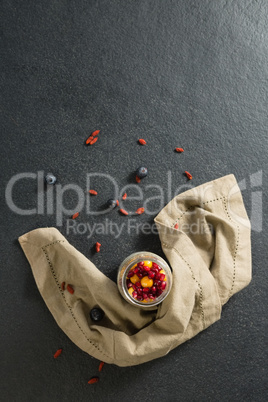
177,73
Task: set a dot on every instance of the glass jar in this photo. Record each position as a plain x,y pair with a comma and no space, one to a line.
151,287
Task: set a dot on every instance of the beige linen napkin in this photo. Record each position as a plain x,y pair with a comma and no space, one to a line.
209,252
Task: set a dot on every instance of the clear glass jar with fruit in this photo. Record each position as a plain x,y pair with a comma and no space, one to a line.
144,279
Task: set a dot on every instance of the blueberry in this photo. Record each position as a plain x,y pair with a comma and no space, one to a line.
50,178
142,172
111,203
96,314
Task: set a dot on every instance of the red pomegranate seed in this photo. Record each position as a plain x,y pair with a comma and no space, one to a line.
134,294
101,366
179,149
139,297
162,277
141,263
145,290
89,139
75,215
124,196
163,285
93,380
140,211
138,179
96,132
145,296
129,285
156,266
151,274
134,286
159,292
59,352
70,289
147,269
123,211
135,270
131,273
140,275
189,176
142,141
62,286
157,275
176,226
153,289
93,192
138,284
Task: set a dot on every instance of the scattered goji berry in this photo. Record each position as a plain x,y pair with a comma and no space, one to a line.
89,139
96,132
101,366
176,226
93,192
189,176
179,150
117,203
93,380
124,196
142,141
140,211
59,351
70,289
75,215
93,141
138,179
98,246
123,211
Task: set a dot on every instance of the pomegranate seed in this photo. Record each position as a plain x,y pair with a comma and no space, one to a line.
157,275
146,290
134,294
155,265
163,285
145,296
129,285
151,274
147,269
140,275
138,284
141,263
159,292
135,270
139,297
162,277
153,289
134,286
131,273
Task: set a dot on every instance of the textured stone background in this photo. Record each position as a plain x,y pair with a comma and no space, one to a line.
177,73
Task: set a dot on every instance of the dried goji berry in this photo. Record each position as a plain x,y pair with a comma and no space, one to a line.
176,226
98,246
138,179
140,211
59,351
188,175
123,211
101,366
124,196
75,215
179,150
93,141
93,192
89,139
70,289
96,132
142,141
93,380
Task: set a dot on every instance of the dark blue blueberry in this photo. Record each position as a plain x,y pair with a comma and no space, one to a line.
96,314
50,178
142,172
111,203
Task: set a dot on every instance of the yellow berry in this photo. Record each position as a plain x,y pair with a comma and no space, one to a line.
130,291
148,263
134,279
146,282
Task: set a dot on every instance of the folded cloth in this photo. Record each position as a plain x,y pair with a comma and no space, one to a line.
205,235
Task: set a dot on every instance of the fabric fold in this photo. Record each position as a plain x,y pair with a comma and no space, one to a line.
210,256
